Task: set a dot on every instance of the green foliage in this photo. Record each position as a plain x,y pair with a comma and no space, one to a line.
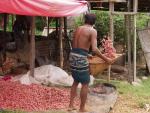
6,111
102,23
40,23
142,20
79,21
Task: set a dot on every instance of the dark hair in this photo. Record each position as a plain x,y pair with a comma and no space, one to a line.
90,19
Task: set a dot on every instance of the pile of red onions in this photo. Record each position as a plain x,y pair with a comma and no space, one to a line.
16,96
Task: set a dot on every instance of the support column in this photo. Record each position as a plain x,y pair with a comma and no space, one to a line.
61,42
135,7
32,47
128,33
111,9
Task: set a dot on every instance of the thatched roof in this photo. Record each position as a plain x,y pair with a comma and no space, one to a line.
120,5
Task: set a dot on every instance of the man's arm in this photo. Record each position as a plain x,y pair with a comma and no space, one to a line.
95,48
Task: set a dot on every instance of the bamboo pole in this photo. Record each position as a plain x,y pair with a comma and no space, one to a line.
32,47
61,42
135,6
111,9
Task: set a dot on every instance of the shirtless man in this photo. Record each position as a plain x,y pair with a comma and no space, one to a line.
84,38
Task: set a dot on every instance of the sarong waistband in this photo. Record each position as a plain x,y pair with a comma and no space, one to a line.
79,51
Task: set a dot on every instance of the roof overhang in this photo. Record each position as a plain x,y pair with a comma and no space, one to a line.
106,0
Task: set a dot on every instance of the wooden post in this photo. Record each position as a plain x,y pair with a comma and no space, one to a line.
111,9
65,26
32,47
135,6
128,33
61,42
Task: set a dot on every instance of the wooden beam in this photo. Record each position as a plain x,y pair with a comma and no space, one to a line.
123,13
61,42
32,47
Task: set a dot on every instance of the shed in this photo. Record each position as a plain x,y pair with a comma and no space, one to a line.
49,8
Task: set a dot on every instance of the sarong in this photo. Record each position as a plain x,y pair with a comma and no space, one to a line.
79,65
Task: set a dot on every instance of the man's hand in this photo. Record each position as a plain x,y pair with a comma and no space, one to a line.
90,56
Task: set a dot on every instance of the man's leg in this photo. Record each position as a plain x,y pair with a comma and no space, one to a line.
73,93
83,96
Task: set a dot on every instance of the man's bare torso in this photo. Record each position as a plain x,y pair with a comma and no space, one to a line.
82,37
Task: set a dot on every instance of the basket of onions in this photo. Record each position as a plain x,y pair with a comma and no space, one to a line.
98,65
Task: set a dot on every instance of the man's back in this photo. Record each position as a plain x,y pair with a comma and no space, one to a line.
82,37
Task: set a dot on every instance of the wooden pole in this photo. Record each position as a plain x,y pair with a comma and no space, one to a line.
111,9
32,48
61,42
128,33
135,6
65,26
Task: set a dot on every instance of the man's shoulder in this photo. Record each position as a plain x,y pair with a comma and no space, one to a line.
93,30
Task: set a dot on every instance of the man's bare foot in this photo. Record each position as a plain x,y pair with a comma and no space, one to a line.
83,110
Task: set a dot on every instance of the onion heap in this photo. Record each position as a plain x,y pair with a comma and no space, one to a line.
16,96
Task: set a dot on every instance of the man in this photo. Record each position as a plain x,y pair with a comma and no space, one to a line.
84,38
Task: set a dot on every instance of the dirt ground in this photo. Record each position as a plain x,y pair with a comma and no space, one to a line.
127,104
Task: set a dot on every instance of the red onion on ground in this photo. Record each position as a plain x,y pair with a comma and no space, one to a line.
16,96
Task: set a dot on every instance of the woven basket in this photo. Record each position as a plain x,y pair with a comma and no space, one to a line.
97,65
